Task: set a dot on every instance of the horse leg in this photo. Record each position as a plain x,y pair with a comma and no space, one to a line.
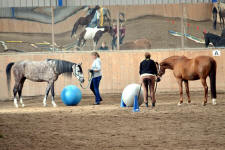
94,45
180,81
187,90
46,94
53,95
203,80
15,90
20,91
83,43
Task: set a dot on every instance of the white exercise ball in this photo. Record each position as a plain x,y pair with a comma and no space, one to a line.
130,92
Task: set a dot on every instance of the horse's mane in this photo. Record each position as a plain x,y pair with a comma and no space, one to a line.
169,62
62,66
212,36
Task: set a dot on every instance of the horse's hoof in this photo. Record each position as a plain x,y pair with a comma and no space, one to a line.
44,105
16,105
189,102
214,101
179,104
23,105
55,106
204,104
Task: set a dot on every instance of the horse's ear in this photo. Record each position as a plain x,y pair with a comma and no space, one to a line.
204,33
80,63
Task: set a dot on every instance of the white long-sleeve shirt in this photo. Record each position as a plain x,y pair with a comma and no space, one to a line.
96,66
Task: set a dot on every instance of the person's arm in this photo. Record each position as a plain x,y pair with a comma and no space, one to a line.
154,68
140,68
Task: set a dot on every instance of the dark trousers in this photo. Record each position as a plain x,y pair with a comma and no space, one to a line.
95,88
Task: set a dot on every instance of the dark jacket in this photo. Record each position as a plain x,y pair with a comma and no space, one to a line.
148,66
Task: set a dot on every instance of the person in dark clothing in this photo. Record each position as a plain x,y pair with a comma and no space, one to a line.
122,32
214,12
148,73
114,35
103,47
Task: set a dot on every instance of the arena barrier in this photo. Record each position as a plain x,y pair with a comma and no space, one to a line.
119,68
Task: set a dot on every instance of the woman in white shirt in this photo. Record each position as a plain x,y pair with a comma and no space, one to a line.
97,76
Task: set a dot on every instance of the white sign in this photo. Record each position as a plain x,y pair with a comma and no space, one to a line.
216,53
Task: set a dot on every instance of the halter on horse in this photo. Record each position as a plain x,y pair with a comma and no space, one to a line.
40,71
185,69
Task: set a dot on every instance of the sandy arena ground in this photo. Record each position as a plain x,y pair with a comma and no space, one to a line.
108,126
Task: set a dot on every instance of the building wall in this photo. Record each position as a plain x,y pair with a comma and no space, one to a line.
119,68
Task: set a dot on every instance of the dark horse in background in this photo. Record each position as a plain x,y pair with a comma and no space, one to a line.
216,40
40,71
185,69
84,21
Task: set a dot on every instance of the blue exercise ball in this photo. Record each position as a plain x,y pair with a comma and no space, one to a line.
71,95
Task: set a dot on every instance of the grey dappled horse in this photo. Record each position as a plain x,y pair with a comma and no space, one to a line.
40,71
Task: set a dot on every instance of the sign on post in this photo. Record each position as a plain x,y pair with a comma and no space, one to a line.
216,52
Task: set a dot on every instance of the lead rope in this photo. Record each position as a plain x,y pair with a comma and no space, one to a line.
90,77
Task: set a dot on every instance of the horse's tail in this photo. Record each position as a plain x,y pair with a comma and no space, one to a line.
8,74
75,26
212,76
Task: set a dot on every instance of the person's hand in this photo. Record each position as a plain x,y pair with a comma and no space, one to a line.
91,71
158,79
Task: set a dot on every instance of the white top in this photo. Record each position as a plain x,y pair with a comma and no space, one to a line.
96,66
147,74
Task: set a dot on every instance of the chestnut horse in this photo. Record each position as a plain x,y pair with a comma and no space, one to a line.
185,69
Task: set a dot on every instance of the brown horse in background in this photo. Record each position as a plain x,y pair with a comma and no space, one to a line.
185,69
137,44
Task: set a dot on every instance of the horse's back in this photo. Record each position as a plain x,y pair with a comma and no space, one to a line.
34,70
193,69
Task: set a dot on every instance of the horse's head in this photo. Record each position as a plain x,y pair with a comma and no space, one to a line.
78,72
161,69
207,40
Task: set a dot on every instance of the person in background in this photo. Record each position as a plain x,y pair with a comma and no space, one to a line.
103,47
96,77
148,73
114,35
122,32
214,12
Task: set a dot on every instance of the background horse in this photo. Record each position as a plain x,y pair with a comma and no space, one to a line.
84,20
185,69
216,40
101,16
93,34
137,44
40,71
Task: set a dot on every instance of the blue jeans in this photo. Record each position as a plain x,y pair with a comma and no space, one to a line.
95,88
